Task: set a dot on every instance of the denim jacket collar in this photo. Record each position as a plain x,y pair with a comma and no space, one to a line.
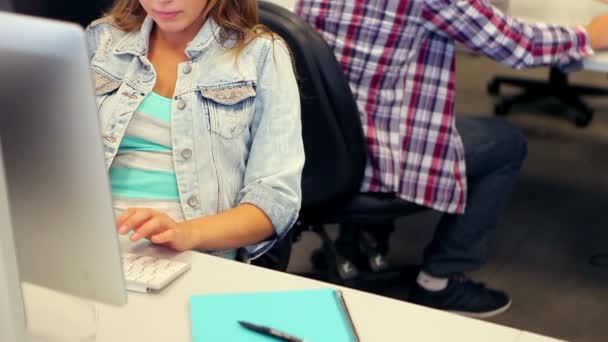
137,43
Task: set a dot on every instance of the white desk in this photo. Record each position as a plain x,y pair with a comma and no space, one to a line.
563,12
164,316
529,337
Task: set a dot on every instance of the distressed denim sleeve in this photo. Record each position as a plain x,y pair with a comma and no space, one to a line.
276,159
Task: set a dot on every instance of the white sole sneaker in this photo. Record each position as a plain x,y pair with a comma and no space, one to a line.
484,314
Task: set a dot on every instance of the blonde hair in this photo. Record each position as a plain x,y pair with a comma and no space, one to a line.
238,19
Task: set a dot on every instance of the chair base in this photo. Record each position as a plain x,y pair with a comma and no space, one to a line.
558,87
330,266
364,279
362,269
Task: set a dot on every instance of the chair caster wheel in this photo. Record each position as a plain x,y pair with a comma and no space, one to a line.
583,120
378,263
501,109
346,270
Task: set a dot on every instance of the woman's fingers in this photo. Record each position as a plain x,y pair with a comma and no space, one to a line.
166,236
135,220
152,226
123,217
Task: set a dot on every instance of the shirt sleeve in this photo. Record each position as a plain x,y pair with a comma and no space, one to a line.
273,176
486,30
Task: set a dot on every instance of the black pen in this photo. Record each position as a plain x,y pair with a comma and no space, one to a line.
268,331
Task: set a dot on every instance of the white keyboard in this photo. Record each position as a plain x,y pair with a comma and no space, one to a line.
145,273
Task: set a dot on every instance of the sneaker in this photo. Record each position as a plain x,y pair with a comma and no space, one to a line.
463,296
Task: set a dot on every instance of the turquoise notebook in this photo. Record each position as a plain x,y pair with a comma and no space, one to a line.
312,315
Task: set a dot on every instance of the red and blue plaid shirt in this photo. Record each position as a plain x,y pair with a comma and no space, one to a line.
398,56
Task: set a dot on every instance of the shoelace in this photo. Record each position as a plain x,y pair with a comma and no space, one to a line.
464,279
469,291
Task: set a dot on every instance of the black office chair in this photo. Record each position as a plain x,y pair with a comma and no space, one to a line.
557,87
334,143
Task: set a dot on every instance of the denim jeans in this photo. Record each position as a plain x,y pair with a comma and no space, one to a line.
494,153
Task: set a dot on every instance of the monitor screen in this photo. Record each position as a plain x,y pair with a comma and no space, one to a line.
59,197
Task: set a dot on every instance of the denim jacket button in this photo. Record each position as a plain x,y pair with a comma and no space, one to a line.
186,153
187,69
181,104
193,201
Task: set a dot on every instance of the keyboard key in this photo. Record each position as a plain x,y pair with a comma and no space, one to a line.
145,273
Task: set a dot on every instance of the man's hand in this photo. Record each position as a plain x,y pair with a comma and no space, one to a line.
598,32
156,226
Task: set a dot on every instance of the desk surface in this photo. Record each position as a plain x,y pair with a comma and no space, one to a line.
164,316
563,12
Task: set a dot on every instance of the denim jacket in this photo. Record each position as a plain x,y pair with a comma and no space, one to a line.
235,123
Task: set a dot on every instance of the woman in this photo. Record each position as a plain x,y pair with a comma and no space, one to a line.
200,116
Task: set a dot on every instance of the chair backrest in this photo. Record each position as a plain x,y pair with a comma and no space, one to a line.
333,136
77,11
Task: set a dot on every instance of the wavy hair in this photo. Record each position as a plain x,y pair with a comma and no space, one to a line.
238,19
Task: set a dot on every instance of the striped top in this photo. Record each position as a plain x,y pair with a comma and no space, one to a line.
142,174
398,56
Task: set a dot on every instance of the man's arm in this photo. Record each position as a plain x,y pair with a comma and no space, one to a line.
486,30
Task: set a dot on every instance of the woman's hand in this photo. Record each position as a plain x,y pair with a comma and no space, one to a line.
158,227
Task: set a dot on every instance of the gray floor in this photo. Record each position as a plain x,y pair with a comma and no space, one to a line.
554,221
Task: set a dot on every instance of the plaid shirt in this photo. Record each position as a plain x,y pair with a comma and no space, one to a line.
398,56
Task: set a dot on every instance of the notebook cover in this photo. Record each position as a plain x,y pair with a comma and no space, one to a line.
313,315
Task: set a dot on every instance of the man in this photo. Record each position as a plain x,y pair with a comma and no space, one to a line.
398,56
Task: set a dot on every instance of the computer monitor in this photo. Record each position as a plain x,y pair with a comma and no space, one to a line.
55,176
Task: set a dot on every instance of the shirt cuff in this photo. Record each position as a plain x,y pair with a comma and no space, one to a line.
583,42
582,49
280,211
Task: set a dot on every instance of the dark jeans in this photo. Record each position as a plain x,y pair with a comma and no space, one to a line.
494,153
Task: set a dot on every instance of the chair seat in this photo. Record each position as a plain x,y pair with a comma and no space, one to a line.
334,141
364,208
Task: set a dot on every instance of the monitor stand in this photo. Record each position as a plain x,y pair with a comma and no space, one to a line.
12,314
31,313
56,317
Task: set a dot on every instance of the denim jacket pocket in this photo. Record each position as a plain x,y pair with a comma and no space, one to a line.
104,87
230,107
